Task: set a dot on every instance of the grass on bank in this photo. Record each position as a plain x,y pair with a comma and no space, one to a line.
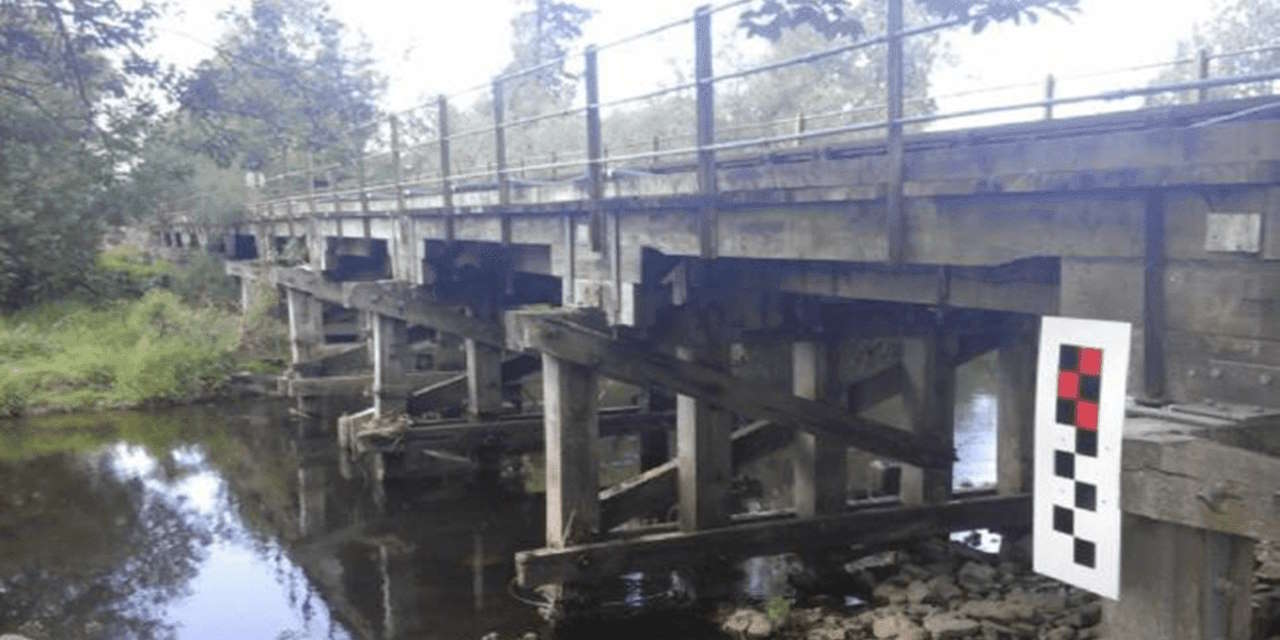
155,333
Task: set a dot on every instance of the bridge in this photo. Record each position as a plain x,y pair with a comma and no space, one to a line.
734,288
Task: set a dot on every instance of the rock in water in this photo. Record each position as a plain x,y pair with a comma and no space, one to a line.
748,624
897,626
976,577
950,625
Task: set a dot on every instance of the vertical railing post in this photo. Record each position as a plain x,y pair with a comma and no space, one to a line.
362,175
706,128
446,163
595,167
800,127
311,181
657,146
500,143
332,184
1202,62
1050,90
895,224
397,167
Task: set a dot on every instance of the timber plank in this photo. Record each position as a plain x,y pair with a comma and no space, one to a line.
586,563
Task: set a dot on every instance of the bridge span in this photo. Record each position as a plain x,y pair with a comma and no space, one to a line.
778,295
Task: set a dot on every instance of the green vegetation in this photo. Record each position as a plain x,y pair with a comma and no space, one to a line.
159,334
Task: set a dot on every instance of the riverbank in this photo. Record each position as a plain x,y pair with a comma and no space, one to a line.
148,333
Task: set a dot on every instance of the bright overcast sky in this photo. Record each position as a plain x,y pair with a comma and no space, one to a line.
429,46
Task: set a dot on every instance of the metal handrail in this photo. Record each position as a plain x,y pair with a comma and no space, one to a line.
705,143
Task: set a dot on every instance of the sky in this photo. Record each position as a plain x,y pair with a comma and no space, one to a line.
426,47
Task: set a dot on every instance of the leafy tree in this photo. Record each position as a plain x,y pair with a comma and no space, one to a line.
285,75
840,19
543,33
75,101
831,91
1237,25
285,80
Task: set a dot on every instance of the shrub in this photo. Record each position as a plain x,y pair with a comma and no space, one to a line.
156,349
202,281
124,272
262,334
15,395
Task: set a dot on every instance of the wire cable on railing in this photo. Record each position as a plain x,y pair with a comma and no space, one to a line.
1245,52
685,86
561,162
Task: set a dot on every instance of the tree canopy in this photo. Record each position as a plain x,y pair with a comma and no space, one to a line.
1236,26
75,103
843,19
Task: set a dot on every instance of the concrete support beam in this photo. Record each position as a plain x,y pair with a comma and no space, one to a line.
1015,411
570,430
246,293
391,362
704,446
930,397
819,461
306,325
484,378
1183,583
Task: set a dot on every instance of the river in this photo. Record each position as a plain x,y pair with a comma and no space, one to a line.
238,521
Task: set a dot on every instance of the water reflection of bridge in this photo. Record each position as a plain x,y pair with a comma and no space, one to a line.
389,562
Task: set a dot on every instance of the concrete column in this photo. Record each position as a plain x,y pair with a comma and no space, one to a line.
820,471
306,325
1179,583
450,353
390,348
655,444
703,446
246,294
1016,412
484,378
930,397
571,427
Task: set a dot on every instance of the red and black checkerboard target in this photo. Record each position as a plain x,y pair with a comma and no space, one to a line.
1079,386
1081,376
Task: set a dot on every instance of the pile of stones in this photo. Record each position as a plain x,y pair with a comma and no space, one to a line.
934,592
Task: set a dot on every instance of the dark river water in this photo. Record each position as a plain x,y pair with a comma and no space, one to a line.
238,521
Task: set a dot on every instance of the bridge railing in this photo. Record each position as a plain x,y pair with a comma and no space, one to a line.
444,152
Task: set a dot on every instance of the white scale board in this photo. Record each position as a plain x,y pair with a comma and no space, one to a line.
1080,402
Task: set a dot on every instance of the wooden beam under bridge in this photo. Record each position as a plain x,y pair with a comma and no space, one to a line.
655,489
589,563
560,334
522,432
557,333
400,300
453,391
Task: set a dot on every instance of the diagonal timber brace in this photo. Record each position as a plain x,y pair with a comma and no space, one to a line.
453,391
637,363
654,490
